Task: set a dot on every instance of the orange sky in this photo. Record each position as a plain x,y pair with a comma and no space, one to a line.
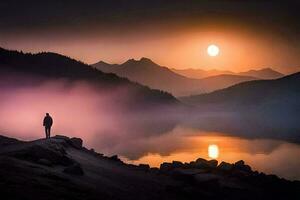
239,51
174,33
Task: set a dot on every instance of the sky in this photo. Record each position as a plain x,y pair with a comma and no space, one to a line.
174,33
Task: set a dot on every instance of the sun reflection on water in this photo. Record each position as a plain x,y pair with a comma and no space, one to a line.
187,145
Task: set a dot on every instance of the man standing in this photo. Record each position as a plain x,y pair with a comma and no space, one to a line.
47,123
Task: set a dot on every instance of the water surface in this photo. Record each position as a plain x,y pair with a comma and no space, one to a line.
183,144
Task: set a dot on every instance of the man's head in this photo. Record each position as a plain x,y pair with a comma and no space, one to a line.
47,114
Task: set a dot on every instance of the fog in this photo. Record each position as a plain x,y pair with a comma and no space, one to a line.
104,122
79,109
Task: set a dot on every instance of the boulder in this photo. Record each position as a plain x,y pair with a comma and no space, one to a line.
74,169
154,170
145,167
201,163
62,137
54,153
213,163
166,166
186,165
177,164
115,158
191,164
240,165
76,142
224,166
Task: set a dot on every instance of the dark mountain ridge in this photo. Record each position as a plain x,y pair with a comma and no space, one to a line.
252,92
46,66
146,72
262,108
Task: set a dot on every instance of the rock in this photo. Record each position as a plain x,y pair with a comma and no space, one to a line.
45,162
186,165
61,137
191,164
201,163
74,169
170,166
100,154
225,166
154,170
115,158
213,163
246,168
54,153
272,177
177,164
240,165
166,166
76,142
145,167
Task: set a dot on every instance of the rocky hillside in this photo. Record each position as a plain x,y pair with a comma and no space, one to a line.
61,168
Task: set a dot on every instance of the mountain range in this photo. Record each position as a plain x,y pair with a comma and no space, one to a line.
146,72
265,73
17,68
271,104
252,92
259,108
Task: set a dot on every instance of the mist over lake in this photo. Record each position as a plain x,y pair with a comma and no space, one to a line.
150,137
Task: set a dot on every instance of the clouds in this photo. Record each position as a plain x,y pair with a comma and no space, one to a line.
92,15
116,30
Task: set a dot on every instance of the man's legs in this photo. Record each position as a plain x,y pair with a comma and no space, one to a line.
49,131
46,132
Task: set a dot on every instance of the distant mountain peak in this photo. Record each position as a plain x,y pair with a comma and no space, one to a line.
264,73
130,61
101,62
142,61
262,70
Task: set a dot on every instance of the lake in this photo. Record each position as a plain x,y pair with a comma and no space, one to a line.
183,144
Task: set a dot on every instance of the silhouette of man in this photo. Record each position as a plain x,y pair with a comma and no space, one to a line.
47,123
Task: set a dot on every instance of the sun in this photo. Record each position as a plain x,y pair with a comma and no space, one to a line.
213,151
213,50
